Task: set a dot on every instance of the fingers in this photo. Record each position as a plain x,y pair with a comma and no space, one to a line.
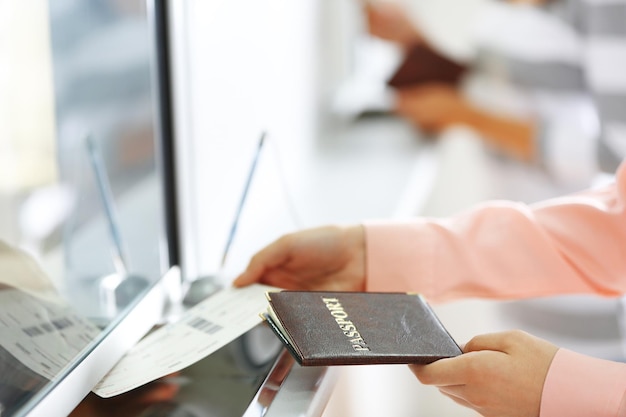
319,258
271,256
249,276
455,393
498,374
500,342
431,107
481,354
444,372
390,22
506,342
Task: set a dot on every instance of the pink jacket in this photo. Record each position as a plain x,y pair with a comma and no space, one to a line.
504,250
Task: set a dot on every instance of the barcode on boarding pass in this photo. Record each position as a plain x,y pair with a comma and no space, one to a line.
203,325
44,328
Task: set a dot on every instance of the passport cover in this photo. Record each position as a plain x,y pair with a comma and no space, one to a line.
358,328
423,65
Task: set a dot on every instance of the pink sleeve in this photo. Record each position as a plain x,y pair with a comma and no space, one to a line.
598,387
574,244
506,250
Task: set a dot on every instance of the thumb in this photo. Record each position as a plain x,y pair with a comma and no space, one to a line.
499,342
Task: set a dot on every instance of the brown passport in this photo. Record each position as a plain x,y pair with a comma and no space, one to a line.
358,328
422,65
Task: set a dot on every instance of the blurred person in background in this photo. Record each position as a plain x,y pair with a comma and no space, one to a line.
565,56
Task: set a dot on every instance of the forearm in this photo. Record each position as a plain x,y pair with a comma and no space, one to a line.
507,250
515,137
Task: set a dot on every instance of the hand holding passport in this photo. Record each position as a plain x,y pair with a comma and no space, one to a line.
321,328
422,63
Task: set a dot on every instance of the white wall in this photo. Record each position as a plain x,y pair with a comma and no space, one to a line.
243,67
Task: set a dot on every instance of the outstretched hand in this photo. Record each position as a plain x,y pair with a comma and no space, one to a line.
330,258
498,375
391,22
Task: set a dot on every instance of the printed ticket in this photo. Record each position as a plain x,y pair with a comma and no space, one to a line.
43,335
200,331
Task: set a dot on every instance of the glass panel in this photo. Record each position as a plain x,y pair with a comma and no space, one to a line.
102,55
82,225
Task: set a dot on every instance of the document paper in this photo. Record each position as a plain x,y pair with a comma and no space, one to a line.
44,336
201,330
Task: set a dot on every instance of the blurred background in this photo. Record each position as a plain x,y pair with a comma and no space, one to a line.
322,79
81,190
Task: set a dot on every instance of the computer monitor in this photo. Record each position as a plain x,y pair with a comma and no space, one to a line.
95,239
96,256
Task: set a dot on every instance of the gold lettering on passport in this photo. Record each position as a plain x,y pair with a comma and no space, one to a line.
347,326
